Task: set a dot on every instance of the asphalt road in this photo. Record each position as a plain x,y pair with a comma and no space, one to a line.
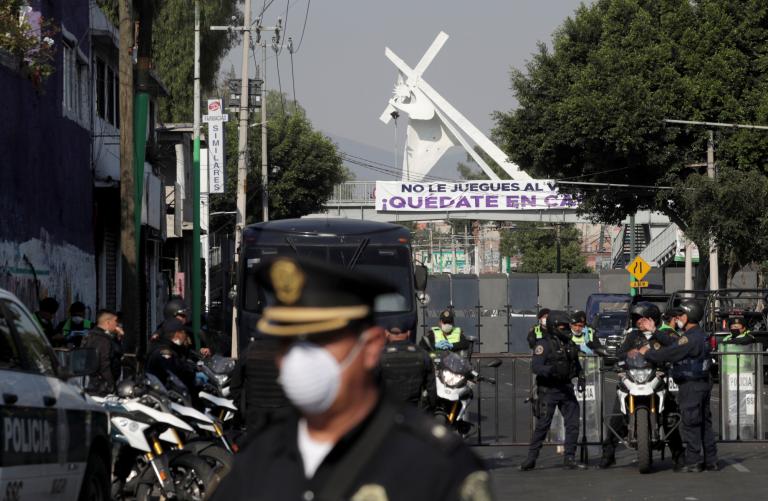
743,475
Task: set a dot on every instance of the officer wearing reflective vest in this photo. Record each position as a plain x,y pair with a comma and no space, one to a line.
691,362
537,330
407,372
581,334
556,364
446,336
76,326
739,334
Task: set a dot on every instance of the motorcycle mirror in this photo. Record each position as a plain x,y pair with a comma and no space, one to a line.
494,363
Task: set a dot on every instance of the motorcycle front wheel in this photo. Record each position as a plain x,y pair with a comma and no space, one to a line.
193,479
642,421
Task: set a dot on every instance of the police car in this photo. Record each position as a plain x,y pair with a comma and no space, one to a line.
54,440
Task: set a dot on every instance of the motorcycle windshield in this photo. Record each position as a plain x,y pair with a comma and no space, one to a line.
637,362
455,363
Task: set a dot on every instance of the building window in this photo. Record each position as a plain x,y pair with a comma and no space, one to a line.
107,102
101,91
71,93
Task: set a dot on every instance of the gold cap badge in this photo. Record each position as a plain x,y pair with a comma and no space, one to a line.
287,280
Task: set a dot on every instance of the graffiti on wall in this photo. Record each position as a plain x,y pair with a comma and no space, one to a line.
39,268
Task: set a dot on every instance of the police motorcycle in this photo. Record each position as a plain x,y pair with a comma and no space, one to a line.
455,380
642,395
144,468
215,391
208,439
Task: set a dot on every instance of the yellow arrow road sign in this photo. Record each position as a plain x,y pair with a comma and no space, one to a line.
639,268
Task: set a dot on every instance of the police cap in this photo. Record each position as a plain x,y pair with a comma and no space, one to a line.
446,316
306,296
542,312
172,326
736,320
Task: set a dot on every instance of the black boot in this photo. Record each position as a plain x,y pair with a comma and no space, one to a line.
570,463
678,460
607,461
528,465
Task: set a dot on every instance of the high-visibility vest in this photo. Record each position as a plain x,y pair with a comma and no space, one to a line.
730,336
537,331
584,338
87,324
453,337
665,327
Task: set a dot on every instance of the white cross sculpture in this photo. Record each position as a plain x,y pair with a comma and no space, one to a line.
434,125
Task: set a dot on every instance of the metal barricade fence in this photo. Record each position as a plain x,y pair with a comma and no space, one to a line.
503,417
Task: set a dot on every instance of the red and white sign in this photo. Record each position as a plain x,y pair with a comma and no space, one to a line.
216,164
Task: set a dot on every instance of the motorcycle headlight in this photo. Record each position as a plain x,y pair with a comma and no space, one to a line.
602,340
451,378
221,378
640,376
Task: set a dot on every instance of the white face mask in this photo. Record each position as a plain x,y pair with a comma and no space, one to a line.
446,328
77,320
543,322
177,341
647,334
311,376
679,324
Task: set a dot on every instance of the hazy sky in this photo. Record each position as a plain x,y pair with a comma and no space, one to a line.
344,81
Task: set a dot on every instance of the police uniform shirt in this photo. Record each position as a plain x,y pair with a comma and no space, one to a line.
689,345
417,459
636,339
554,361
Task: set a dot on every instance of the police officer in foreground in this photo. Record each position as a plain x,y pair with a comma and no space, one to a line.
406,369
645,316
446,336
556,364
537,330
690,358
342,440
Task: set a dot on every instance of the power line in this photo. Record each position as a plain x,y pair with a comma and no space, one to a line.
386,169
285,27
279,82
293,79
306,16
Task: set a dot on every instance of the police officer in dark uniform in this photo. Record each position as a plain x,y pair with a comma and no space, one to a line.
254,386
556,364
406,369
691,363
170,355
644,333
342,440
102,339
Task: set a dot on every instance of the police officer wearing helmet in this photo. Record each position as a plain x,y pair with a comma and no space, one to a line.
645,316
691,361
341,440
176,308
537,330
170,355
406,369
446,336
556,364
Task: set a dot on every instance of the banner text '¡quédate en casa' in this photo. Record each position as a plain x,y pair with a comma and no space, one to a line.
396,196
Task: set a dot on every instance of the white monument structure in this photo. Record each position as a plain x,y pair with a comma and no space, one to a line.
434,125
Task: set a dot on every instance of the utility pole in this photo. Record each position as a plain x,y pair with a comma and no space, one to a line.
128,245
195,271
264,161
242,151
714,270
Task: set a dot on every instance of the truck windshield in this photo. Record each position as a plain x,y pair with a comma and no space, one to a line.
389,263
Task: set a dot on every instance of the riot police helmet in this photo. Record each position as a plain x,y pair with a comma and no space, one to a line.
558,321
175,307
645,309
692,309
